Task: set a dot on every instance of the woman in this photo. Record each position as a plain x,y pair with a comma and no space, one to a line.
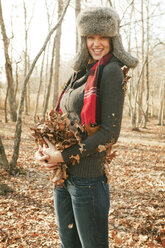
95,97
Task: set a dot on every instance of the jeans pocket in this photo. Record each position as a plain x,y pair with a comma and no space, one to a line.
81,183
79,189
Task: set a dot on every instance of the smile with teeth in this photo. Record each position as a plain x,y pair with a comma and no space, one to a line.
97,50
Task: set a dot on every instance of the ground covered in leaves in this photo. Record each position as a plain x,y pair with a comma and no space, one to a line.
137,190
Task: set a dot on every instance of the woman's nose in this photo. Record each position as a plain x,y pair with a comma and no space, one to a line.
96,42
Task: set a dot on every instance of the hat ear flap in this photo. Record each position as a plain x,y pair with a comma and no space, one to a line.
82,56
120,53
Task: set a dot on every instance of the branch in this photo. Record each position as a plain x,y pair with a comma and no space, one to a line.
133,22
143,66
110,3
126,10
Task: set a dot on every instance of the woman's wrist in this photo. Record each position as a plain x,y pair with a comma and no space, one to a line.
59,157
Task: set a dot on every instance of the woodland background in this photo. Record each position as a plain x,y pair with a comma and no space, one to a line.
38,40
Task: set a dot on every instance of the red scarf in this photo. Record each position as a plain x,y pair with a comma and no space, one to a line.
91,111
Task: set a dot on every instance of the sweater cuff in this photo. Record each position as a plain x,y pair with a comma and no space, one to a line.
68,152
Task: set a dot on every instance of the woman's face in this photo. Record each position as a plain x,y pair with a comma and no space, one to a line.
98,46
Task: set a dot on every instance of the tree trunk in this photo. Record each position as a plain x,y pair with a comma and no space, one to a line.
5,105
77,11
57,57
4,189
130,91
152,102
46,100
110,3
134,117
162,102
16,79
25,58
134,83
39,88
141,90
147,72
48,56
17,138
3,159
8,68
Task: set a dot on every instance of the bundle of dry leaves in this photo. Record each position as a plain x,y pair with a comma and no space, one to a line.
58,130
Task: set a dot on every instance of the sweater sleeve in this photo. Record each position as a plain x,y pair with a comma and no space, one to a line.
112,99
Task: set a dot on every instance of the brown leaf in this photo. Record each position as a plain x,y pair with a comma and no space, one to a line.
101,148
75,158
91,130
118,239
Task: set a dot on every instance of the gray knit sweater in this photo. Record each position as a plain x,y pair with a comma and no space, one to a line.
112,99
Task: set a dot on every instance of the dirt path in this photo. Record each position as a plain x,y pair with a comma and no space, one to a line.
137,189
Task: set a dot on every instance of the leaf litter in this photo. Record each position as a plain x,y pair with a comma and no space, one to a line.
137,191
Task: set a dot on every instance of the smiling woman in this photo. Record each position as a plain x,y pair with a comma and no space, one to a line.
93,96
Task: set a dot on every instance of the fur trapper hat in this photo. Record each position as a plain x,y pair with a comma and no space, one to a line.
103,21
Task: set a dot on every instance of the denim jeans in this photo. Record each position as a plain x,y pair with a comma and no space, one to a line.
81,209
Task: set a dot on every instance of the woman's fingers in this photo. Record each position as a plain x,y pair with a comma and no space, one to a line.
48,142
40,148
50,150
50,166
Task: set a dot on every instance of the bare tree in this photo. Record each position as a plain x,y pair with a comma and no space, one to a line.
147,71
39,88
133,86
46,81
17,138
3,158
26,57
8,68
77,11
46,99
16,77
141,85
57,57
3,162
5,103
162,103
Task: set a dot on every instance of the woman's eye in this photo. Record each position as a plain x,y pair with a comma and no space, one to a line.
103,37
90,37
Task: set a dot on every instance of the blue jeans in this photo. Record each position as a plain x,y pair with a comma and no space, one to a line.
81,209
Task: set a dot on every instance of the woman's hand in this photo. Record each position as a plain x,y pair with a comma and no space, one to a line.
49,156
40,156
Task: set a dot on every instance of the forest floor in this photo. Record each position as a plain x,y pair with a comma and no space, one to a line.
137,191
